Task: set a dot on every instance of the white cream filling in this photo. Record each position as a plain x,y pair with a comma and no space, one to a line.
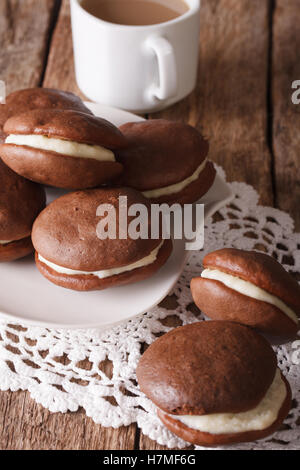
64,147
5,242
176,188
249,289
106,272
259,418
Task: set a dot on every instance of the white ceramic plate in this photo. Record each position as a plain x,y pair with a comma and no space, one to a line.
28,298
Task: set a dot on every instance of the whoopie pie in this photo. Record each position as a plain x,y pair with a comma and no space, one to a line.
215,383
166,161
20,203
38,98
248,287
63,148
71,254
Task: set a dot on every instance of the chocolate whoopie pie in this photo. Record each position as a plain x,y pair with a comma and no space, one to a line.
166,161
70,254
63,148
20,203
215,383
248,287
37,98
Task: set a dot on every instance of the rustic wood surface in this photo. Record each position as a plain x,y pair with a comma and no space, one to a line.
249,56
286,122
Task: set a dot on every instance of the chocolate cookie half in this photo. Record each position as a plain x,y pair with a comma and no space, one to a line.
167,161
70,253
215,383
20,203
37,98
250,288
63,148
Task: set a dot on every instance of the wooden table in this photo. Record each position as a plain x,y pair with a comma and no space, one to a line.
249,56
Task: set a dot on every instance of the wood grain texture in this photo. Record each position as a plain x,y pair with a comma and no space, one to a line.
286,124
60,71
24,34
26,425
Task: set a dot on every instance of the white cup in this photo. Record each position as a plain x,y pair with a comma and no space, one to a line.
137,68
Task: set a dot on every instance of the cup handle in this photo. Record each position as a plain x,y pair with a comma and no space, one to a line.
167,69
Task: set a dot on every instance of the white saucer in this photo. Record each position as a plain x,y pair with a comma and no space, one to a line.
28,298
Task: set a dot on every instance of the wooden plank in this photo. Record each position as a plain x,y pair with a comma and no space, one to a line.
286,124
229,104
60,74
24,34
60,71
25,425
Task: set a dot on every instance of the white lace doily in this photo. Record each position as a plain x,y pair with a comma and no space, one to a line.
63,370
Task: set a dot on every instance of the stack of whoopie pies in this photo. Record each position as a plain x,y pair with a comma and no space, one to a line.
49,137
